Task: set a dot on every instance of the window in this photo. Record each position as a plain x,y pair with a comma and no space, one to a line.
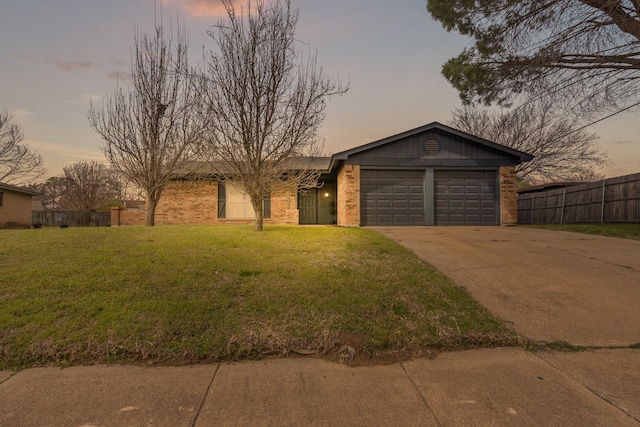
1,197
233,203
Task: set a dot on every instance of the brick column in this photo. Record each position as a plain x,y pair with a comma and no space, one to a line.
283,206
115,216
349,196
508,196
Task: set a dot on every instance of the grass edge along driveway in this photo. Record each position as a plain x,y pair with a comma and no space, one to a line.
179,295
621,230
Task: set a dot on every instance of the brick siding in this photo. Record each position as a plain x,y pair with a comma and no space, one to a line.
349,196
196,203
508,196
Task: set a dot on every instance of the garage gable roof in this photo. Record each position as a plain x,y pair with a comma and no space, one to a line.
519,155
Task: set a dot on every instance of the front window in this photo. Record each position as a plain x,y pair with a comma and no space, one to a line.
234,203
238,203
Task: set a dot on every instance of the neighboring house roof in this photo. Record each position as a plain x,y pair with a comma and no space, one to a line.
434,126
36,205
548,186
9,187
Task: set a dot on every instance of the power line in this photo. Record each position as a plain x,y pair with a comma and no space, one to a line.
600,120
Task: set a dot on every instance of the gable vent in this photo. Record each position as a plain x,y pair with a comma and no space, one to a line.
431,147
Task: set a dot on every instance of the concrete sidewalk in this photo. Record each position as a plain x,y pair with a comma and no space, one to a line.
504,387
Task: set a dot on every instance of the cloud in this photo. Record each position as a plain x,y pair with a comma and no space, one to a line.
201,8
66,151
24,56
624,142
20,113
84,99
70,65
120,76
204,8
88,97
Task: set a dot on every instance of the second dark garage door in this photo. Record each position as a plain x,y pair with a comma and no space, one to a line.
465,197
396,197
389,197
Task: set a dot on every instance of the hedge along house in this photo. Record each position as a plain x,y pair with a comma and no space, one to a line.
431,175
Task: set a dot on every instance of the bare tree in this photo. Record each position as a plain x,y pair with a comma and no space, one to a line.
264,101
560,150
150,130
585,52
18,164
87,185
51,192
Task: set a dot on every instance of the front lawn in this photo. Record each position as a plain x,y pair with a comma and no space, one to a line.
174,295
625,231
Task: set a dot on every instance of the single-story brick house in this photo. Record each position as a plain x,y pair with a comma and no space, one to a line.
15,206
431,175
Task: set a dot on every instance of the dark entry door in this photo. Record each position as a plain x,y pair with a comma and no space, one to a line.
307,207
391,197
465,197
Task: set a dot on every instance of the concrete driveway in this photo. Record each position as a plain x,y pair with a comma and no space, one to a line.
549,285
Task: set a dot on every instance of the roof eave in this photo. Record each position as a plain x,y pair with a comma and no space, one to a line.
9,187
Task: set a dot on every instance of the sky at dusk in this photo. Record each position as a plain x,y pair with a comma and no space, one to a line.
56,56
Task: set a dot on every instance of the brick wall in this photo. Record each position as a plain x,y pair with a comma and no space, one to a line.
121,217
283,207
349,196
508,196
196,203
188,203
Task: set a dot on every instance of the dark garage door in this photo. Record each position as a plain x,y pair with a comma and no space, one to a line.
389,197
465,197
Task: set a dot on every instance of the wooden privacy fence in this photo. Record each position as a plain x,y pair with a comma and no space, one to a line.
611,200
71,219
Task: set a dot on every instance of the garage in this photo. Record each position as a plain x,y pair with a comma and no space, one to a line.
431,175
391,197
465,197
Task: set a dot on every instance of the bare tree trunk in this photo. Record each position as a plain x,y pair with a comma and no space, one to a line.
152,202
257,208
151,212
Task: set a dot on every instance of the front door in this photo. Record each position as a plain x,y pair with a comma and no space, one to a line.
307,207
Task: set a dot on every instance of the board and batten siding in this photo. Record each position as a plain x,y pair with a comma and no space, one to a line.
410,152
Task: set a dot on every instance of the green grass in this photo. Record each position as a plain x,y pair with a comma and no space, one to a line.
626,231
175,295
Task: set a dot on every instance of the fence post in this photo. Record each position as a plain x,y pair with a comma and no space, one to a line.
564,194
602,211
115,216
532,197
